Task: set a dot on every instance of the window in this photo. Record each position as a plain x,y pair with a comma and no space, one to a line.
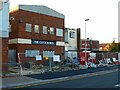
66,37
31,53
28,27
49,53
36,28
52,31
59,32
9,28
45,30
72,34
83,44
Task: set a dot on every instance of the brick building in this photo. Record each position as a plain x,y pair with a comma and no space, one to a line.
36,30
91,45
104,46
4,35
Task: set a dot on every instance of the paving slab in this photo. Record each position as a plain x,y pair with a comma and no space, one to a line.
9,81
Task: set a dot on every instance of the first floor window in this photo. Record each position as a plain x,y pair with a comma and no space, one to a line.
59,32
51,30
72,34
45,30
28,27
9,28
36,28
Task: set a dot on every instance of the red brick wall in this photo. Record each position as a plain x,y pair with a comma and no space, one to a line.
95,44
19,31
34,18
4,54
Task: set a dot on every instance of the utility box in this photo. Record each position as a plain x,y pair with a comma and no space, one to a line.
82,57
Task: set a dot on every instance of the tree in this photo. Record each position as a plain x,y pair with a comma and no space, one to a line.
115,47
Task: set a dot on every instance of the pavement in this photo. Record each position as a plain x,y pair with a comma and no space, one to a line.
29,80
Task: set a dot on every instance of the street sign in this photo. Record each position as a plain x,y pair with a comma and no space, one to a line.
56,58
38,57
46,57
0,4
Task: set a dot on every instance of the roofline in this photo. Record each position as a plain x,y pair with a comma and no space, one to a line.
16,8
89,40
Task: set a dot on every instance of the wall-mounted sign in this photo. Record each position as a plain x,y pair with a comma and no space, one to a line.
56,58
43,42
46,57
38,57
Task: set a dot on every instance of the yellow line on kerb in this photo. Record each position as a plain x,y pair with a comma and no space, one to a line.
31,85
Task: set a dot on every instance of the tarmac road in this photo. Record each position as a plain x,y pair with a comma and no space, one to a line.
76,78
108,80
53,75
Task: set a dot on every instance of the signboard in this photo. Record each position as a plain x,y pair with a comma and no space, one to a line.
38,57
46,57
56,58
43,42
0,4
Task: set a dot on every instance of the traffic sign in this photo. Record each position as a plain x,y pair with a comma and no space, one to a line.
46,57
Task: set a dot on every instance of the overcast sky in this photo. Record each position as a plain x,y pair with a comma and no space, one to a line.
103,15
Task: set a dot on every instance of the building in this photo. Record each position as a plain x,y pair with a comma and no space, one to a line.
72,42
4,35
104,46
91,45
36,30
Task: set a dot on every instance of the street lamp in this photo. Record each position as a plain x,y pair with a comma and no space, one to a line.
85,39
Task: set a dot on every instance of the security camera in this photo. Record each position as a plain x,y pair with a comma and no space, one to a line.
5,1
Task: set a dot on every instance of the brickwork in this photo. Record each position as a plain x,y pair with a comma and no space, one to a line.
18,30
4,54
93,44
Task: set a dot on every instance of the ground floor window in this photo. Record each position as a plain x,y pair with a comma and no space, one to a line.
48,53
31,53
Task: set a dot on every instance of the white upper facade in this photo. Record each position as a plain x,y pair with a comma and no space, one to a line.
71,39
39,9
4,19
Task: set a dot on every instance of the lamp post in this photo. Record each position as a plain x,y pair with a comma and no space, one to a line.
85,39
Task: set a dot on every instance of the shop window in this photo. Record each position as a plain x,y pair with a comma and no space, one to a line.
52,31
45,30
72,34
31,53
59,32
49,53
28,27
36,28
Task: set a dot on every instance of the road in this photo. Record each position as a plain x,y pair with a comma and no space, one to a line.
108,80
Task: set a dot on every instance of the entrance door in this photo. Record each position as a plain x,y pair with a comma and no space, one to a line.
11,57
